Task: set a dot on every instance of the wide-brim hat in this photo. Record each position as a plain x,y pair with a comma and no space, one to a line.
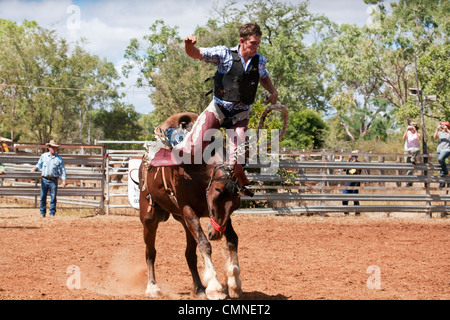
414,124
52,143
354,154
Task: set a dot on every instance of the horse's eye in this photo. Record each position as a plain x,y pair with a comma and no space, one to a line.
218,190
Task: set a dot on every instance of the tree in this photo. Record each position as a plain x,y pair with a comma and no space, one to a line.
376,63
120,123
306,130
48,88
434,68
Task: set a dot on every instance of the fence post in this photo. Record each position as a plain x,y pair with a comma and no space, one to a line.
102,198
107,183
381,159
428,184
399,172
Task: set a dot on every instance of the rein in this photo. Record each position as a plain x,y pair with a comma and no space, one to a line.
215,225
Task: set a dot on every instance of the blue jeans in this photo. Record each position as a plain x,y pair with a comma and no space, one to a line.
47,185
441,159
356,203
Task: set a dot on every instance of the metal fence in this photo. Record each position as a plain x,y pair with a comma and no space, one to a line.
305,182
85,175
314,182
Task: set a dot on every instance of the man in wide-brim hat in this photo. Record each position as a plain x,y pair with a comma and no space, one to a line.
53,144
52,167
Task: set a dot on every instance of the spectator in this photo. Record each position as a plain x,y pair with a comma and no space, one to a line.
52,167
412,138
443,148
352,158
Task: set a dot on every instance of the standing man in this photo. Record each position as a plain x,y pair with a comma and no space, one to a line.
239,70
52,167
352,158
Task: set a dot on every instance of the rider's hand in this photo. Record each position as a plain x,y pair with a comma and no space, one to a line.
190,40
273,98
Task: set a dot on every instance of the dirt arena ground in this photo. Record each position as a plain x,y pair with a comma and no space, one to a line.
281,257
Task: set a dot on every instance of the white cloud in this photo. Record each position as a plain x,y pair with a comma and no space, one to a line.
342,11
46,12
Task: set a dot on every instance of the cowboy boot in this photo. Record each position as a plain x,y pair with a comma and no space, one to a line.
242,180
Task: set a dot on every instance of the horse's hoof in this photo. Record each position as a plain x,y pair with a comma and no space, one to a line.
216,295
153,291
201,295
235,294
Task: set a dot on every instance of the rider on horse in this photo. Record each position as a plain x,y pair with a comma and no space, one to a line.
239,70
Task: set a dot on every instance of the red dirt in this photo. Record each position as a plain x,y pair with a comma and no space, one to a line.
281,257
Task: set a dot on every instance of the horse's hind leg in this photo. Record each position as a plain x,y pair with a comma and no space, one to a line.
232,265
150,222
191,258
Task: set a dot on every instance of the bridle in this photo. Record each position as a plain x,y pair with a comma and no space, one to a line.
227,176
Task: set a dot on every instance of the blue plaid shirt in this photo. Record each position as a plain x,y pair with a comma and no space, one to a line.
52,167
221,56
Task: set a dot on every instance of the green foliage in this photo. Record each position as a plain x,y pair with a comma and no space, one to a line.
306,130
375,66
48,89
119,124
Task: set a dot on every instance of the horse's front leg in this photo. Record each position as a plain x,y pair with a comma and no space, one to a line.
214,290
191,258
232,265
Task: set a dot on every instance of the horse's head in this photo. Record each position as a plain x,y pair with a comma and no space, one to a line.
222,198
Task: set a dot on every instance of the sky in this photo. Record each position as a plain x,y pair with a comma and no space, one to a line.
108,25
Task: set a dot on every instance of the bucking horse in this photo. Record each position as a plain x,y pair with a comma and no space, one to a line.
190,192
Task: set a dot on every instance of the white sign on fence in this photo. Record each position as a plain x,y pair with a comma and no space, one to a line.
133,188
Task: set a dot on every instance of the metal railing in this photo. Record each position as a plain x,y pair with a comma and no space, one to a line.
314,182
85,176
306,182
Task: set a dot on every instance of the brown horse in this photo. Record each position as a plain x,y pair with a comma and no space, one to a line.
190,192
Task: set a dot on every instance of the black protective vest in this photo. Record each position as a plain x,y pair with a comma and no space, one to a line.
237,85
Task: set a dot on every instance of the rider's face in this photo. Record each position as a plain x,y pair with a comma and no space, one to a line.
249,47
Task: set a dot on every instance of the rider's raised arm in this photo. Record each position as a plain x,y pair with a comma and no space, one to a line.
191,50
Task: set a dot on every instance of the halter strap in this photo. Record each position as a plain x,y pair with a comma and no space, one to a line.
212,176
215,225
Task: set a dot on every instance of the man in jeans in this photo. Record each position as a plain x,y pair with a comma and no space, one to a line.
52,167
443,148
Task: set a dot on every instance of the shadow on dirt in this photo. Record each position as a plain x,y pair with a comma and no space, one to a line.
256,295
